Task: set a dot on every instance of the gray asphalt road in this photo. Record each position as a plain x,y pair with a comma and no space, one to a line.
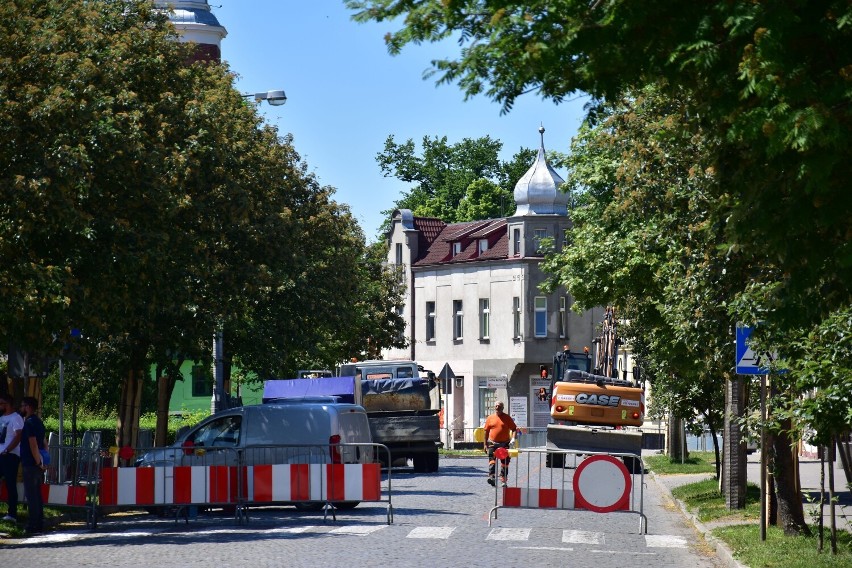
439,520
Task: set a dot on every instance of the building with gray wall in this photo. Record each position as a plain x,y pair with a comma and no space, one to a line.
473,302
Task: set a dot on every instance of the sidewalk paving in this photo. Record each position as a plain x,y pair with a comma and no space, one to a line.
809,472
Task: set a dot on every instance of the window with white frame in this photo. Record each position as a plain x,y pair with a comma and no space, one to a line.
564,238
430,321
563,318
400,336
539,235
398,254
482,245
484,318
540,304
456,249
516,316
458,320
516,242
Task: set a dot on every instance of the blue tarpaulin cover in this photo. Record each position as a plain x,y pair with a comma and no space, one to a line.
342,387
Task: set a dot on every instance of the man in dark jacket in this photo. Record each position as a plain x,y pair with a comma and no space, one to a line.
32,441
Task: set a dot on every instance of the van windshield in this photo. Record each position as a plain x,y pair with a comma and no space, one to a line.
222,432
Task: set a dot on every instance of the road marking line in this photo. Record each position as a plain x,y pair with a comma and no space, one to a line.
582,537
358,530
665,541
624,552
509,534
290,530
559,548
431,532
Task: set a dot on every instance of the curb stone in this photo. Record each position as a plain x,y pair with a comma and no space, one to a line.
722,550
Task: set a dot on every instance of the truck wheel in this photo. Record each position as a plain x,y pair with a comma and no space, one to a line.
556,461
308,507
419,463
432,463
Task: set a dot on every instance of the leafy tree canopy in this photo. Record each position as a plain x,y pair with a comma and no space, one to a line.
143,201
771,80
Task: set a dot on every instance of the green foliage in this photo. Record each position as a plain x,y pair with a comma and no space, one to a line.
697,462
106,425
464,181
643,240
708,504
769,83
780,551
148,204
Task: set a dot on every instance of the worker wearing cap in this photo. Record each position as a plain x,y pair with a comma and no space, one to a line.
499,431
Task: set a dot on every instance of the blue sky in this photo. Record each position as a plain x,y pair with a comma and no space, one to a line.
346,94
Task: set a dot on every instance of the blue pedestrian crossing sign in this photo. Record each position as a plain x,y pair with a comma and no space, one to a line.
748,362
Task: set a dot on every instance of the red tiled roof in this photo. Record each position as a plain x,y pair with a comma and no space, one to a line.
468,234
429,227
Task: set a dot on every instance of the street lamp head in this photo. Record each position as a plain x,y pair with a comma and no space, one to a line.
276,98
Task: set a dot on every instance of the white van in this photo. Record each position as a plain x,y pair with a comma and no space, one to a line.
295,431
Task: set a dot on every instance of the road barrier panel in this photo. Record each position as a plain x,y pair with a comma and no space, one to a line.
597,482
176,479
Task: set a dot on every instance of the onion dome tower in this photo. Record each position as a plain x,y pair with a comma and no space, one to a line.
537,192
194,22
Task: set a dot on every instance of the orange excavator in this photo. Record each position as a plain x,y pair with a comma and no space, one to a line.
590,407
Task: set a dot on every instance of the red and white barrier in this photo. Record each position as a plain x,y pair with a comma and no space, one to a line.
532,498
313,482
600,483
181,485
66,495
217,485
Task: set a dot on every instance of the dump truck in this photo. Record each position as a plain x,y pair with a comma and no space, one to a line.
590,406
402,407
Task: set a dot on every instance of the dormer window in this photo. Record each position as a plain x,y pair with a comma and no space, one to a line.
482,245
456,249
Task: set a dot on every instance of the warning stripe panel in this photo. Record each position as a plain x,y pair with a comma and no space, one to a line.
534,498
184,485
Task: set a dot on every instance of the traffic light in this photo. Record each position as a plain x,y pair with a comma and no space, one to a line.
542,371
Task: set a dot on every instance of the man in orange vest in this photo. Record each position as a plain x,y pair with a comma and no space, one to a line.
499,431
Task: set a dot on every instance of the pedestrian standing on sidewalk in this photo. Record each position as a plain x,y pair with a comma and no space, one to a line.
32,440
499,431
11,425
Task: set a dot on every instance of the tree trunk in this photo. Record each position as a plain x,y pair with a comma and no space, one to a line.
791,513
127,429
675,439
713,427
165,387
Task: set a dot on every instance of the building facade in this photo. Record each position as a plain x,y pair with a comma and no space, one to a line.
473,302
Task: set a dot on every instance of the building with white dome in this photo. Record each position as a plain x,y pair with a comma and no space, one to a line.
473,302
194,22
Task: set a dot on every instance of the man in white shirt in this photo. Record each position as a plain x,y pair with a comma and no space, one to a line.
11,424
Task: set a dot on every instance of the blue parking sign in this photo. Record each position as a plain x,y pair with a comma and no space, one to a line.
748,362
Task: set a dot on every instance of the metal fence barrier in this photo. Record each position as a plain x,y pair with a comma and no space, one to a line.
176,479
541,478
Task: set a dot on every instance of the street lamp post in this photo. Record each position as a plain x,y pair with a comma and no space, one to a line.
219,400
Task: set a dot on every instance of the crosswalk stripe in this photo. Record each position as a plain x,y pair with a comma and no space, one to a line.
582,537
358,530
431,532
664,541
509,534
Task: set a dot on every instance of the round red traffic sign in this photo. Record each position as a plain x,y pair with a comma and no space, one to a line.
602,484
501,453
